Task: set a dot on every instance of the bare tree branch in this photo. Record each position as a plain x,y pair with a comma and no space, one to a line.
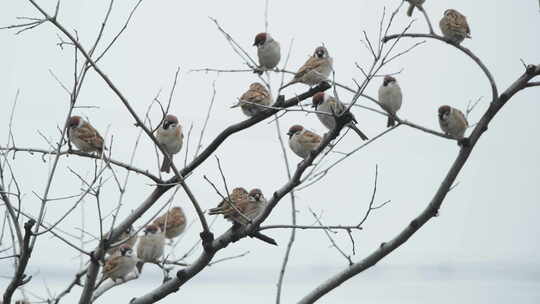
432,208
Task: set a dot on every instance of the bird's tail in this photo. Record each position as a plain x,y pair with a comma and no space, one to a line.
391,122
166,165
140,265
288,84
410,10
264,238
360,133
214,211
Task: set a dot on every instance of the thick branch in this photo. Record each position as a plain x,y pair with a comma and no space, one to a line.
231,235
435,203
20,278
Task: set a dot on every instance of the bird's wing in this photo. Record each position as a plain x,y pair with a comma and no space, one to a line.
461,117
254,96
88,134
311,64
112,265
309,137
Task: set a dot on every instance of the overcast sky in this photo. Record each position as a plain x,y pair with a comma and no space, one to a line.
483,247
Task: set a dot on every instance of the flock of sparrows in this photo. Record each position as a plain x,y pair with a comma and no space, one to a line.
150,246
241,206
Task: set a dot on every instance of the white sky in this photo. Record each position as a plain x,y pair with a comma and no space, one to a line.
487,226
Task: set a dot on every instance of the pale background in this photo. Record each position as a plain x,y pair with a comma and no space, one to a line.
483,248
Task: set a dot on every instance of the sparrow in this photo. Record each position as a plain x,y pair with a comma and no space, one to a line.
170,137
303,141
118,266
268,51
413,4
237,201
257,94
316,69
84,136
454,26
329,104
125,235
452,122
151,245
390,98
242,208
173,222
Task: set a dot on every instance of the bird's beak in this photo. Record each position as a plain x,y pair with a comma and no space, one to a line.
255,43
289,133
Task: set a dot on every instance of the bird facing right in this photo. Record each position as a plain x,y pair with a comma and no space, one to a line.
84,136
256,95
454,26
452,122
268,51
170,137
316,69
241,208
302,141
390,98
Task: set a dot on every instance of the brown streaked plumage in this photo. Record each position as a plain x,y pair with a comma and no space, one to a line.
302,141
84,136
257,94
452,121
242,202
316,69
173,222
454,26
118,266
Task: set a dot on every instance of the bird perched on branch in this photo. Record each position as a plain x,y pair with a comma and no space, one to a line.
242,208
302,141
151,245
170,137
316,69
238,207
256,95
413,4
453,122
84,136
268,51
454,26
130,242
329,104
172,223
118,266
390,98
